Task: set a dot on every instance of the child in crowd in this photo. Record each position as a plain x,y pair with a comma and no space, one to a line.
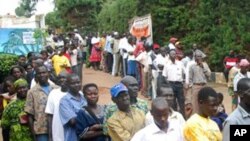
221,115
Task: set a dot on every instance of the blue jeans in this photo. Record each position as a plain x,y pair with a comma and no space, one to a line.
42,137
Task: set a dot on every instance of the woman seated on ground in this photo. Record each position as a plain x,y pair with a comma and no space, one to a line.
90,118
14,117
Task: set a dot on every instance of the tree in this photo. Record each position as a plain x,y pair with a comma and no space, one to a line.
26,8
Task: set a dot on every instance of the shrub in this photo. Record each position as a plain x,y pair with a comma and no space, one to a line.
7,60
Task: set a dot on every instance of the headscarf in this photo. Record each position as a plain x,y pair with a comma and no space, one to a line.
20,82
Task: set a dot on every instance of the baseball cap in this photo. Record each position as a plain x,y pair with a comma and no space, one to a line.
172,39
156,46
117,89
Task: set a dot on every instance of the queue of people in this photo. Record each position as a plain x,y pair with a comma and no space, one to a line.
43,98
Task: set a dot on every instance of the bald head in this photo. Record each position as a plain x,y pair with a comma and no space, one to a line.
160,112
132,84
128,80
159,104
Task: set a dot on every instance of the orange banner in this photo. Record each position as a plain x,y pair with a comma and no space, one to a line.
141,26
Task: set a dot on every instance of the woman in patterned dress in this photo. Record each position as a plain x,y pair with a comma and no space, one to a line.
14,116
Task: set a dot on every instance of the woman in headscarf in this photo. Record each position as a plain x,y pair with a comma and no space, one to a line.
96,53
14,117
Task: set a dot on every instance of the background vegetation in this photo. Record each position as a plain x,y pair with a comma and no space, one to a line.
7,60
217,26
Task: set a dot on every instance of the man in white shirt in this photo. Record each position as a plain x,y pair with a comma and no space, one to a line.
161,129
52,109
153,68
122,47
116,55
172,42
166,92
174,72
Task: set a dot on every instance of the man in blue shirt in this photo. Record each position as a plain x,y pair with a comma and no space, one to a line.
70,104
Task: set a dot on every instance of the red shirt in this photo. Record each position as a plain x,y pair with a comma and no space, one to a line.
138,49
230,62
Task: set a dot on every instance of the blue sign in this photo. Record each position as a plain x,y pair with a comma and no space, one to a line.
19,41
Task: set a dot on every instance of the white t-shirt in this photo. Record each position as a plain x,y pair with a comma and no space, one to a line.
143,59
52,108
122,45
131,48
174,72
171,46
73,57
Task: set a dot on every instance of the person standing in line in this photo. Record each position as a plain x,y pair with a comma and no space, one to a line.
116,55
69,105
232,73
166,92
131,64
242,73
14,117
36,103
123,46
56,132
241,115
199,73
229,62
153,74
73,58
126,121
174,73
96,54
161,129
199,127
133,88
90,118
172,42
108,51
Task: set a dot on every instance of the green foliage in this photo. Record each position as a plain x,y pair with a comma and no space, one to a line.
115,15
40,36
70,14
54,20
7,60
26,8
217,26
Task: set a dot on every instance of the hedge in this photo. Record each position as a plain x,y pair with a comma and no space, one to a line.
6,61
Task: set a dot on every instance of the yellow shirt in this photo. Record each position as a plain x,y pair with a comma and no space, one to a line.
122,127
59,62
102,42
198,128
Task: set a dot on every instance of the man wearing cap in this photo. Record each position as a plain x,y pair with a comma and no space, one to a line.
243,73
153,68
172,42
199,73
133,89
125,122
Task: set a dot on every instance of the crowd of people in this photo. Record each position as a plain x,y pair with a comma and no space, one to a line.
43,98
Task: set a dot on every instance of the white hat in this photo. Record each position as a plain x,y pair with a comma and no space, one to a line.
95,40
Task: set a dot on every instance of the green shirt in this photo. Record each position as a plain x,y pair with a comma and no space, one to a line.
10,119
